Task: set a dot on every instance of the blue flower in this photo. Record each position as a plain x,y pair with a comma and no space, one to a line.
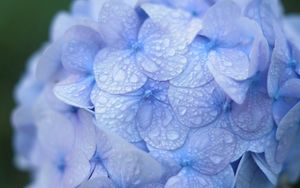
162,94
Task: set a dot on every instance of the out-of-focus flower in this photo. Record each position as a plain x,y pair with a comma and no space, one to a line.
161,93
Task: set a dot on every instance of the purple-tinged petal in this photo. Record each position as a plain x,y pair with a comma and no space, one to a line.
80,46
117,113
196,73
116,72
196,107
159,127
61,23
75,90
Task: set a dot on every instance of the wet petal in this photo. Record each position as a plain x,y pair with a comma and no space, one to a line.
211,149
236,90
117,113
159,127
117,72
165,38
196,73
232,63
75,90
80,46
196,107
252,119
119,23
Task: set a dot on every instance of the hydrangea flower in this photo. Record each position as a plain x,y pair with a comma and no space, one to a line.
163,94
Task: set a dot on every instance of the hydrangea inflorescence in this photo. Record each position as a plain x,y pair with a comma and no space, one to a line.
163,94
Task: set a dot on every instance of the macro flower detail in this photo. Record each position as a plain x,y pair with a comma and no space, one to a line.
162,94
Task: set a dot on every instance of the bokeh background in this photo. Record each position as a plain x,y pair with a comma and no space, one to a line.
24,28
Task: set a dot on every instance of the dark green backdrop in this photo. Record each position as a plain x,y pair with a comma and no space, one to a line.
23,29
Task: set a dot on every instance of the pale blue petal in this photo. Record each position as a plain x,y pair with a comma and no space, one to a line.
77,169
252,119
99,182
117,113
211,150
197,107
60,24
196,8
231,62
219,23
280,58
196,73
290,120
281,108
236,90
190,178
49,62
80,8
127,165
117,72
165,38
75,90
80,46
159,127
249,175
55,132
119,23
85,133
225,178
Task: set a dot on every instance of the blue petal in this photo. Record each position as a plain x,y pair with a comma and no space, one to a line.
117,72
75,90
56,133
80,8
165,38
117,113
49,62
225,178
290,88
127,165
80,46
235,90
188,177
60,24
211,149
219,22
280,57
194,7
77,169
281,108
196,107
85,133
159,127
196,73
119,23
99,182
252,119
231,62
249,175
290,120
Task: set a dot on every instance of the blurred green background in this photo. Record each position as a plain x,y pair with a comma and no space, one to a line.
24,28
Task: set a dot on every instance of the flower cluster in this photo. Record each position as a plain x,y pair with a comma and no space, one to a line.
163,94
